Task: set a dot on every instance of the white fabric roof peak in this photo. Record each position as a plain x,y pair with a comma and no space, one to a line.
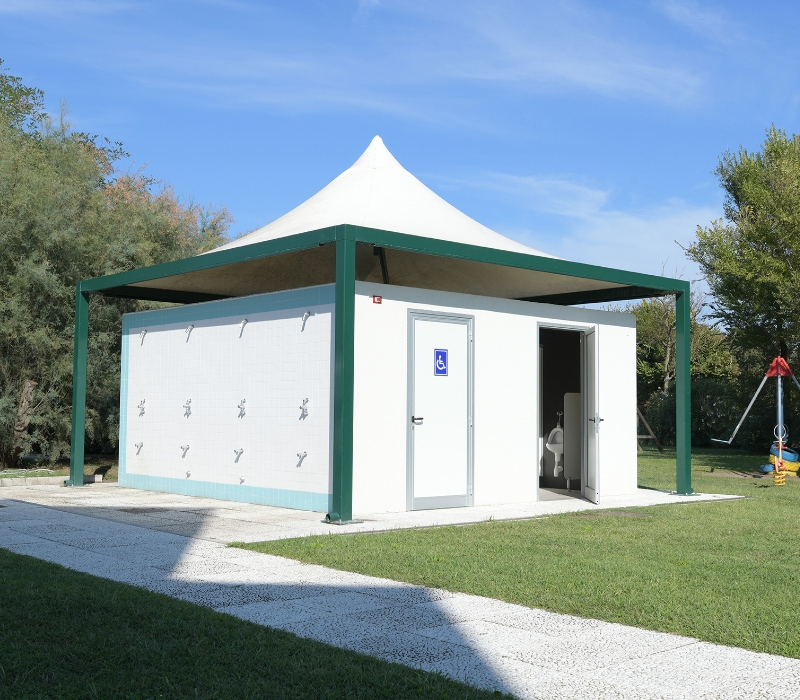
378,192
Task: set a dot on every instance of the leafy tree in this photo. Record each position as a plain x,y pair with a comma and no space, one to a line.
751,259
713,366
711,353
20,106
66,214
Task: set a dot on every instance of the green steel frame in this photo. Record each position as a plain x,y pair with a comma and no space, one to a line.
345,238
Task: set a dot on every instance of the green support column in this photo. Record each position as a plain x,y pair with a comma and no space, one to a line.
683,391
343,375
79,359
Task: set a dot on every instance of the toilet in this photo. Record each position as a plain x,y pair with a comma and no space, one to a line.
555,443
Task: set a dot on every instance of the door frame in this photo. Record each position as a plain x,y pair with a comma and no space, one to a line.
440,317
583,329
594,420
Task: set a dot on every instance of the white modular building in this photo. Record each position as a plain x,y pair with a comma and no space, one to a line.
376,350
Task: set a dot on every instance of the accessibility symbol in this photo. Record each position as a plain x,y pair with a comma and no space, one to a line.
440,363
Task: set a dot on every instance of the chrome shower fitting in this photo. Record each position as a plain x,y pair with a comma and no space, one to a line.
238,454
188,474
241,479
141,337
138,447
187,408
306,316
188,332
301,456
141,408
241,326
304,409
241,408
185,449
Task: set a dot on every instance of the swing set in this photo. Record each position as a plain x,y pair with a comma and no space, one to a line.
780,454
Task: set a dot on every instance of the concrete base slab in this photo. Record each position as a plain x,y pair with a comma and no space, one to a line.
226,521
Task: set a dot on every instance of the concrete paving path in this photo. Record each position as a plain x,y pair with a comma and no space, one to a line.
486,643
226,521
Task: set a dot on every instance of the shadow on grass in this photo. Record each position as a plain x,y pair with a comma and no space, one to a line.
67,631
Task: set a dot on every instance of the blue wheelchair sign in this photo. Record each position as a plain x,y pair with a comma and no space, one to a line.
440,363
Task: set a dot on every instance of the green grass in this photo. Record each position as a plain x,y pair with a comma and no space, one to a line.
107,465
65,634
725,572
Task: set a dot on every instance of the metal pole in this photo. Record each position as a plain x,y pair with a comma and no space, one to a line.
343,376
683,392
744,415
79,360
779,428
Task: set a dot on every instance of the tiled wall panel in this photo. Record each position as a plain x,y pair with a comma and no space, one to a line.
195,383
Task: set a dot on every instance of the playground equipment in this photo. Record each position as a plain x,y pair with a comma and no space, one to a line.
781,456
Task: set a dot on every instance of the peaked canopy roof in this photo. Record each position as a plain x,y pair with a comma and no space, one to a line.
404,235
377,192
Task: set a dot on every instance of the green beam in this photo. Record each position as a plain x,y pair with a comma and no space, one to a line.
595,296
556,266
647,284
79,361
683,391
343,375
254,251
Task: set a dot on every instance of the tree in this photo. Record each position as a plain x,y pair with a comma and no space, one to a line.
66,214
711,353
20,106
712,362
751,259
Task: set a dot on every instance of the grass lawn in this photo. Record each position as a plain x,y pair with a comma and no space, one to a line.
725,572
107,465
70,635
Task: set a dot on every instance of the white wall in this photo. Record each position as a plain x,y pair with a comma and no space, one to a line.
273,363
505,390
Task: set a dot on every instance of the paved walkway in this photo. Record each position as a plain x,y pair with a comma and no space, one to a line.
487,643
226,521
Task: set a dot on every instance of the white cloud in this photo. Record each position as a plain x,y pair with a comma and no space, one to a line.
567,45
551,195
644,241
422,61
578,222
705,21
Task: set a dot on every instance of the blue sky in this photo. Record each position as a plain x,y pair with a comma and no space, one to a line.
587,130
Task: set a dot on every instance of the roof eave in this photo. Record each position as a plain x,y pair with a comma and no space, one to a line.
626,284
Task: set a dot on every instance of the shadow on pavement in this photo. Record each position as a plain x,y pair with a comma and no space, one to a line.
157,548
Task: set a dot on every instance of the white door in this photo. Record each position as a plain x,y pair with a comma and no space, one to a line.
439,415
591,488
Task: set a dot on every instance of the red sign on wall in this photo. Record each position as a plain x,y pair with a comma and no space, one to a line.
377,300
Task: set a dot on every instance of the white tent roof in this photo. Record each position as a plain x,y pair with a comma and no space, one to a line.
378,192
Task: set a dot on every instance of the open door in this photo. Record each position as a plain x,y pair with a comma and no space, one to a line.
591,488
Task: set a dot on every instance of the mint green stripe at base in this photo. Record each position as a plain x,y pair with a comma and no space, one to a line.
284,498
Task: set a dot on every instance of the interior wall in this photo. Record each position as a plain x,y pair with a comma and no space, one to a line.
561,373
196,377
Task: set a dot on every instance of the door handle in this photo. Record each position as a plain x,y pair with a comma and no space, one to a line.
417,420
